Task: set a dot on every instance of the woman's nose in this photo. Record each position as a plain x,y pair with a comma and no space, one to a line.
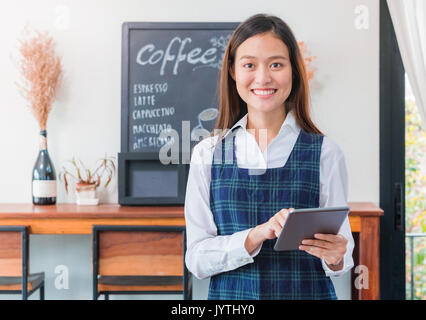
263,75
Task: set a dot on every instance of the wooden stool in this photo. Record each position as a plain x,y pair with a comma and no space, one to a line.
14,268
139,260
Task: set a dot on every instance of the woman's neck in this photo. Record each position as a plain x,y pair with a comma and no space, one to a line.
265,126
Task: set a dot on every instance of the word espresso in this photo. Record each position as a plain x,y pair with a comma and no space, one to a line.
219,310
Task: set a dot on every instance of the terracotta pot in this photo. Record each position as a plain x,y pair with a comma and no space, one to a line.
86,194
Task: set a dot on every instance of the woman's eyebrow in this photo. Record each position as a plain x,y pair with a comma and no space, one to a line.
278,57
247,57
269,58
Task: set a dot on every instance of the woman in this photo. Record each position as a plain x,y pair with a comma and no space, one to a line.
265,158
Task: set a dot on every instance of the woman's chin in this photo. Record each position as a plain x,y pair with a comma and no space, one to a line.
265,108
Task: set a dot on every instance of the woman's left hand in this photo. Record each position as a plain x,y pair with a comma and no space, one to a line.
329,247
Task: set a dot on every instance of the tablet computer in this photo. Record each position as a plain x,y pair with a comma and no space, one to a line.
305,223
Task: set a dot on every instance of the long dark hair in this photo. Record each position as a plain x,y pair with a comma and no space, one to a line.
231,106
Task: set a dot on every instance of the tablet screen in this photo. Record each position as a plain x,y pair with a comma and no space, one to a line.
305,223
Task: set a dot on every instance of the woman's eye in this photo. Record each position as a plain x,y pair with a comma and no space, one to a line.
276,65
248,65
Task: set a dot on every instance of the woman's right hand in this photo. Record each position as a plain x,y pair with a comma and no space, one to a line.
272,228
268,230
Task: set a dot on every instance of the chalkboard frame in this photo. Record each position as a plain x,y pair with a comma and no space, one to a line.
127,27
152,161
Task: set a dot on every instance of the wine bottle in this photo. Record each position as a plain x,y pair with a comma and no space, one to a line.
44,176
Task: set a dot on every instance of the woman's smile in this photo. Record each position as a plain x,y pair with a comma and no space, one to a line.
264,93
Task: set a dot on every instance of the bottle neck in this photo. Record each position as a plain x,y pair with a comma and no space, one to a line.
43,140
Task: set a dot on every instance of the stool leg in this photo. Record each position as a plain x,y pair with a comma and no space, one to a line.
95,293
42,292
188,294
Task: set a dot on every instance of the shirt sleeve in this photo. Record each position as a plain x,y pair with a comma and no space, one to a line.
208,253
334,193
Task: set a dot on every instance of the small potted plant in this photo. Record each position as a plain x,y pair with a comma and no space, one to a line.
86,180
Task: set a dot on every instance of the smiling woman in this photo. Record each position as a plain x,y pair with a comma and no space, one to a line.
234,211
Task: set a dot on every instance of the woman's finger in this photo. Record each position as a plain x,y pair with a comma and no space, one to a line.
280,218
276,227
315,251
318,243
330,237
283,214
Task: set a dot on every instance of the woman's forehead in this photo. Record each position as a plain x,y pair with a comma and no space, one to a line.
264,45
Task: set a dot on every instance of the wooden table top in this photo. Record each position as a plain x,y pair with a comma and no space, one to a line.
72,210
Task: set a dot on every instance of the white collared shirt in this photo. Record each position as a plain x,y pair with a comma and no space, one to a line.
209,254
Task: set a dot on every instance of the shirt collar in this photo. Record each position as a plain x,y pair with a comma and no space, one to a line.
289,122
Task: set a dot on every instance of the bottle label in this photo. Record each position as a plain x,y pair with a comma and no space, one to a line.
44,188
43,142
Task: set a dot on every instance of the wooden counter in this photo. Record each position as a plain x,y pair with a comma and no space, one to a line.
73,219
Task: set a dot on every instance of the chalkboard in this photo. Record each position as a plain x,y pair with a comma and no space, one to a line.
169,98
170,77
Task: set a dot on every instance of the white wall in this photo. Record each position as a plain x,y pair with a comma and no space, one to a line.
85,121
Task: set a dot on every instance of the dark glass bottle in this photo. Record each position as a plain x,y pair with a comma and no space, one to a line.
44,176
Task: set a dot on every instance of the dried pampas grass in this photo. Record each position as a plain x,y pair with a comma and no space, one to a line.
308,60
41,71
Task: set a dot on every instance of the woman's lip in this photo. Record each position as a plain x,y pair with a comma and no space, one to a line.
263,95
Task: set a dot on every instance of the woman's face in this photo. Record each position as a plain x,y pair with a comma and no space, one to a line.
262,72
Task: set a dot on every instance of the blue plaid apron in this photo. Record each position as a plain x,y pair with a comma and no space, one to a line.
240,199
